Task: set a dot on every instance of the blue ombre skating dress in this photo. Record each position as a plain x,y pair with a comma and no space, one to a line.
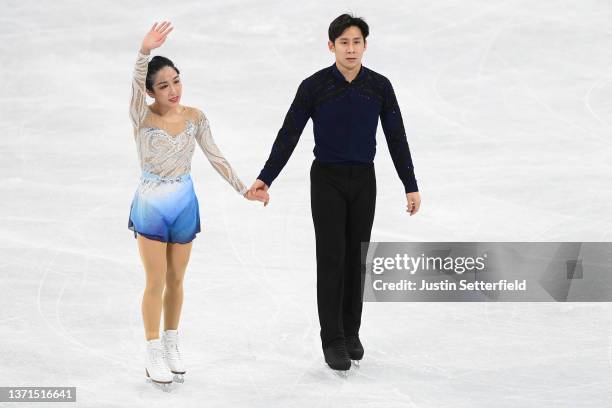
165,207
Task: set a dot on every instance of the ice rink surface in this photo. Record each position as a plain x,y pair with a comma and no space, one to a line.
507,106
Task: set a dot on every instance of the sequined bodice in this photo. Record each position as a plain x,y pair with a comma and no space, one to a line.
163,148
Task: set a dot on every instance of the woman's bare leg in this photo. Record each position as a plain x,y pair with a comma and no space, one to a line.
153,255
177,256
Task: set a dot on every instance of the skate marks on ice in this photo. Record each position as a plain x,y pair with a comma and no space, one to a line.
47,287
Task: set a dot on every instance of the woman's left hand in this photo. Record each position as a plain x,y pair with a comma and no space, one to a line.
259,195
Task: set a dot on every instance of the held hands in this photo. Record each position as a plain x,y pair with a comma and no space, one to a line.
260,195
414,202
259,189
156,36
259,192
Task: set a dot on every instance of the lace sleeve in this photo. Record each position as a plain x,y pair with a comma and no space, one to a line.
215,157
138,102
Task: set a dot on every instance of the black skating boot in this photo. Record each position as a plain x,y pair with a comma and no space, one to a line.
354,348
336,356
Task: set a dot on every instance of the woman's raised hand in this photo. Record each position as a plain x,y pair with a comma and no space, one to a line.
156,36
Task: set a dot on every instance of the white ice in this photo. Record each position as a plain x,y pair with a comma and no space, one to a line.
507,106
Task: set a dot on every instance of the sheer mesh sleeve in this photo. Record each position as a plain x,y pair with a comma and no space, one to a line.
138,102
215,157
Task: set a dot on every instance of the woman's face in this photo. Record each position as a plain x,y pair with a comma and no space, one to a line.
167,88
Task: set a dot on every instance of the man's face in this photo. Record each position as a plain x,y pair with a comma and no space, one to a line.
349,48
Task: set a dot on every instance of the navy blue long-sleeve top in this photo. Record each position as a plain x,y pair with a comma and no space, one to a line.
345,117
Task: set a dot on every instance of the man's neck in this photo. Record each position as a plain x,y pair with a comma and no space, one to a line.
349,74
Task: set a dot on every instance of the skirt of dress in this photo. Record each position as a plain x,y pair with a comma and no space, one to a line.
165,209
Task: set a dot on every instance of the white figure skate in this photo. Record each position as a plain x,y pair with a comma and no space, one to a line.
156,369
172,354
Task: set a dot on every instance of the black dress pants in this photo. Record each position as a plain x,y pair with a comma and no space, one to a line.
343,199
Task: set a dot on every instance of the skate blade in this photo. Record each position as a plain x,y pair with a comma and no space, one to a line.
356,363
342,373
179,378
339,373
166,387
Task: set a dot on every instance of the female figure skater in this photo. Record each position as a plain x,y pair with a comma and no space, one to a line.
164,213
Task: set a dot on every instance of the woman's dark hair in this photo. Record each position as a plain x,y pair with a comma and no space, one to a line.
341,23
157,62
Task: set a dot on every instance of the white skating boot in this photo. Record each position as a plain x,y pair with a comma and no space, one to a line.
156,369
172,354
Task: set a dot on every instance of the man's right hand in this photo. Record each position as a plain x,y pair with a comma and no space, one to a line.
259,185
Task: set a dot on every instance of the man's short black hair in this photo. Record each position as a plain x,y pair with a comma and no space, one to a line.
341,23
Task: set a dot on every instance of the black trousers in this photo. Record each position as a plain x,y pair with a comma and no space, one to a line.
342,199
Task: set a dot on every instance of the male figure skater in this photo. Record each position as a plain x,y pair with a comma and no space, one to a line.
345,102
